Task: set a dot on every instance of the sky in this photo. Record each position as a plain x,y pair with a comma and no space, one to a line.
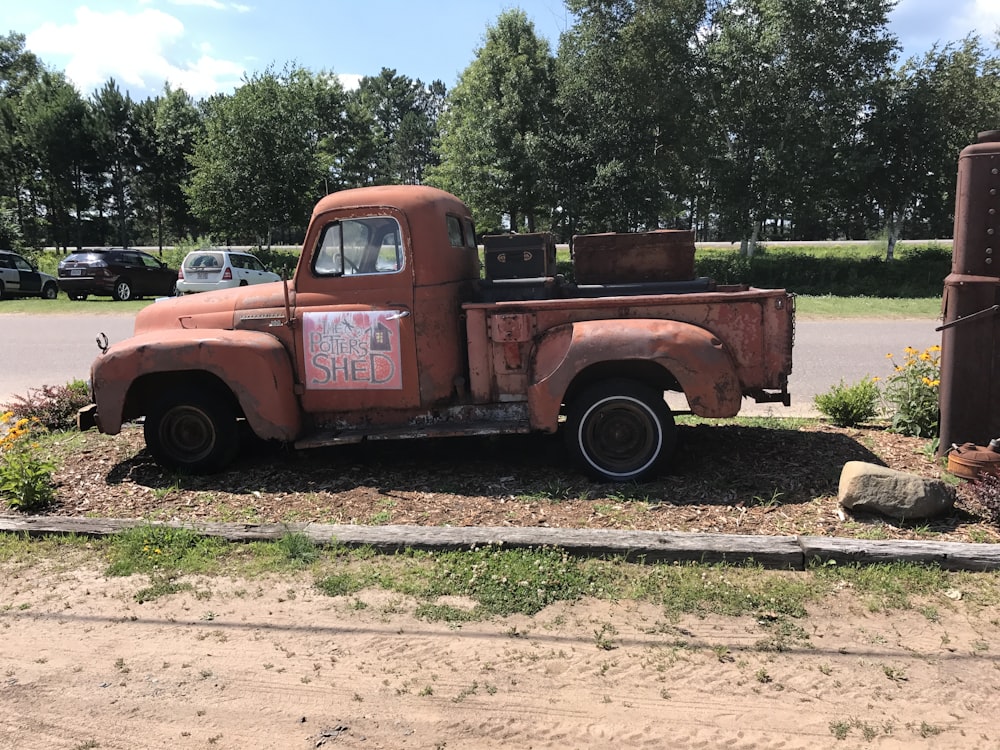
208,46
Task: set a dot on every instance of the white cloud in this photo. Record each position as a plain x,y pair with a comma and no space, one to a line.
350,81
983,17
141,51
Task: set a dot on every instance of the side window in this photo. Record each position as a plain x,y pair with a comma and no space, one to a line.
470,233
252,263
149,261
455,231
238,261
21,264
359,246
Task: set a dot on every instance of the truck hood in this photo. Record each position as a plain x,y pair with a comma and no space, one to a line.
222,310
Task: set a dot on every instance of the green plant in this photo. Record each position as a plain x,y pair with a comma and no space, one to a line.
53,406
912,392
850,405
25,477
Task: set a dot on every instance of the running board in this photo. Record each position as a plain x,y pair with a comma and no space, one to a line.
354,435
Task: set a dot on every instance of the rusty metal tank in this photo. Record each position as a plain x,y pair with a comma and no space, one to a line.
971,461
969,395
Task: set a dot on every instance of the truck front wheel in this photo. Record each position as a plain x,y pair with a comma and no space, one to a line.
620,430
192,431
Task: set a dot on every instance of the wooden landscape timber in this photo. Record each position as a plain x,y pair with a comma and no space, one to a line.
780,552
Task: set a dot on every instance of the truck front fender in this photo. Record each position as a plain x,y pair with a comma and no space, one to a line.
253,365
694,356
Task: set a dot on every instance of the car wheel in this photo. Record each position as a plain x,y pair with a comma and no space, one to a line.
620,430
122,291
193,431
50,291
243,282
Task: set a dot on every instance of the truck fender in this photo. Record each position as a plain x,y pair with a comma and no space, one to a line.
252,364
693,355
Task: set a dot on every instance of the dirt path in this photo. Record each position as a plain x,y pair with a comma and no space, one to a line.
275,664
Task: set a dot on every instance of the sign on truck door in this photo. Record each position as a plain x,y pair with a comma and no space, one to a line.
359,350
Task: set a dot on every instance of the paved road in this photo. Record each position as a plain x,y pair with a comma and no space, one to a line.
53,349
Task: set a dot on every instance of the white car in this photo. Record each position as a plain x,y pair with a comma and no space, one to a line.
18,277
205,270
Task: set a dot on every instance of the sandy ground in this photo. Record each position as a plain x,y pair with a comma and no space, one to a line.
273,663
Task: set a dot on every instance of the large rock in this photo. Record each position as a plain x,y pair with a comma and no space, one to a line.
876,489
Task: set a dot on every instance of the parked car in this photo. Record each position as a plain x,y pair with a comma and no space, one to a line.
120,272
214,268
19,277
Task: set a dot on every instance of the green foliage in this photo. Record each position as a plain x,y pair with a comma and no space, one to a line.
916,273
162,549
25,476
886,586
298,549
509,581
849,405
53,406
911,393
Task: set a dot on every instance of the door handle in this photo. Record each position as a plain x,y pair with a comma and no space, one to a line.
400,314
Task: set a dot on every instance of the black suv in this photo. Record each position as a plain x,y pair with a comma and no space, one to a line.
117,271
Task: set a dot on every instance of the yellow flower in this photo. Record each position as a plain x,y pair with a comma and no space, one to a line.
889,355
876,379
925,356
935,348
909,350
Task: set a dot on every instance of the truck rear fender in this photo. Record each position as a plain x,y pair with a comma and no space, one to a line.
251,366
663,353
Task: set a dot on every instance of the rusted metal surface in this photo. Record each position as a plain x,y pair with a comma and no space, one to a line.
699,361
971,461
662,255
255,366
970,359
415,347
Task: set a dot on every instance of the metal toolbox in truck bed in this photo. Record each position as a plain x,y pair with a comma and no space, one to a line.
520,256
617,258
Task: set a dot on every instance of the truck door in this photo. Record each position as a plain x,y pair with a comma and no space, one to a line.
355,317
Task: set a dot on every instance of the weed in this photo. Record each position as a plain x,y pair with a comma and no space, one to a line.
148,549
298,549
929,730
604,637
445,613
763,677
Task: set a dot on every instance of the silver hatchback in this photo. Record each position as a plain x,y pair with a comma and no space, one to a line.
206,270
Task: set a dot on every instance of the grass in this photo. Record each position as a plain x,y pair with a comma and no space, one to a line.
502,581
829,306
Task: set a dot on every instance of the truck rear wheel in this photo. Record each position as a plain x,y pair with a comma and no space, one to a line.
192,431
620,430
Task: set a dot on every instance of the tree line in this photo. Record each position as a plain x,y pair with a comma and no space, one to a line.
744,120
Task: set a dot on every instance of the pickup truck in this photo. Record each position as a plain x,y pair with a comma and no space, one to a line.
387,331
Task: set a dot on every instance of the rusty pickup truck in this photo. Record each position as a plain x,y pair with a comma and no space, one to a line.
387,330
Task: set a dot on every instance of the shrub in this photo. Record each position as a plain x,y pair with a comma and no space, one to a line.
849,405
986,490
53,406
911,393
25,478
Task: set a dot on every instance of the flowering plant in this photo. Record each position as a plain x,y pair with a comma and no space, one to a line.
911,392
25,479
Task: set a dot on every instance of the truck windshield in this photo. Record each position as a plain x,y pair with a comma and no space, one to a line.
359,246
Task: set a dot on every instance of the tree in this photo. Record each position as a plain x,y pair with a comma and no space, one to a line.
167,128
57,135
792,79
628,72
258,165
494,125
116,155
927,111
18,69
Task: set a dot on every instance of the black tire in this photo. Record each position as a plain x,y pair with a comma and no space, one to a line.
193,431
50,291
620,430
122,291
1,290
243,282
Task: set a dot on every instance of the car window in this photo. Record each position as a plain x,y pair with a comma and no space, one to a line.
149,261
253,264
359,246
203,260
470,233
455,231
6,262
21,264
